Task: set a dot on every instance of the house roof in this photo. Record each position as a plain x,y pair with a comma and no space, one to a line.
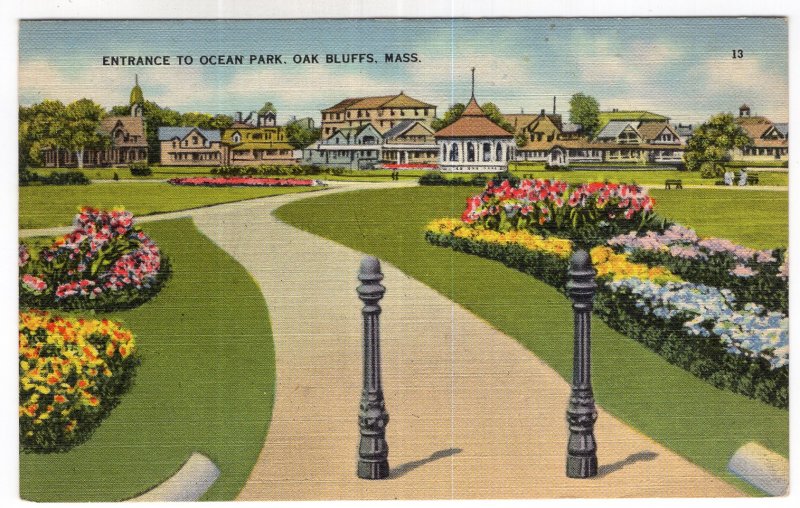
683,130
754,126
167,133
783,128
570,128
132,125
400,100
520,120
473,123
402,127
583,144
351,132
629,115
651,130
615,127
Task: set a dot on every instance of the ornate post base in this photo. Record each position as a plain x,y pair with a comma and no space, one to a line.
582,447
373,451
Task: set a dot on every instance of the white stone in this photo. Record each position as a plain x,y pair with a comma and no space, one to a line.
761,468
191,481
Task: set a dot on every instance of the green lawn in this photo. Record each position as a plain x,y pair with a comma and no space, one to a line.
46,206
206,384
686,414
654,178
758,219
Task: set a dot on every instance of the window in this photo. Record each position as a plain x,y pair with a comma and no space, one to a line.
498,156
454,153
174,144
487,152
359,113
470,152
444,152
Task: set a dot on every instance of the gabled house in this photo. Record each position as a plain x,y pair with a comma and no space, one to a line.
768,140
410,143
256,140
351,148
383,112
128,140
190,146
664,142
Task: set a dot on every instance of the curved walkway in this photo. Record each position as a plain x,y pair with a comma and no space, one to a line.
473,413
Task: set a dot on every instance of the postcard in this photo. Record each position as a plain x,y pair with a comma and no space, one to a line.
403,258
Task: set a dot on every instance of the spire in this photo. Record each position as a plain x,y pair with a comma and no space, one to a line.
136,78
473,83
137,97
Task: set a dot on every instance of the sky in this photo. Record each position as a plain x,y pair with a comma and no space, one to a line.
679,67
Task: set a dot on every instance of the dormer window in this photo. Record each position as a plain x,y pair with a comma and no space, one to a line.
236,137
194,140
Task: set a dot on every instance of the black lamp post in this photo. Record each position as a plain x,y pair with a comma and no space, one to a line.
581,413
373,451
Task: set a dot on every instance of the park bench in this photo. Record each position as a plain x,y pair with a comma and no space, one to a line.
752,179
668,184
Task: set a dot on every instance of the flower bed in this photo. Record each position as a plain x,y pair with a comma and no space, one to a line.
72,373
732,343
105,263
588,213
759,276
243,181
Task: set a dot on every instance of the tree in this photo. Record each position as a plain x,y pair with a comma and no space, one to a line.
491,110
711,143
40,127
521,139
299,136
584,110
267,107
81,127
450,116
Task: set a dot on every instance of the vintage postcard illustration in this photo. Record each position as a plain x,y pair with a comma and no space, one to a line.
327,259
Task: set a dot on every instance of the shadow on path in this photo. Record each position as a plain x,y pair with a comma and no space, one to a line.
627,461
402,469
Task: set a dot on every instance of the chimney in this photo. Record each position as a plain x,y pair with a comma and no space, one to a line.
542,113
554,104
238,116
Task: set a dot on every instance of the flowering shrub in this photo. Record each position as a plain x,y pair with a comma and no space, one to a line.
617,266
105,262
72,373
234,181
587,213
743,348
753,275
709,312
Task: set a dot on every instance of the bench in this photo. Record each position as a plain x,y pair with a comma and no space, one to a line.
752,179
668,184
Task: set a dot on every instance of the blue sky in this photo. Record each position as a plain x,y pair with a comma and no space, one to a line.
680,67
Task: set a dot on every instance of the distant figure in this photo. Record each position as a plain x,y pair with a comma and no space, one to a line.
743,178
727,178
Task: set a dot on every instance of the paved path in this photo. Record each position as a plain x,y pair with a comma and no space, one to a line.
473,413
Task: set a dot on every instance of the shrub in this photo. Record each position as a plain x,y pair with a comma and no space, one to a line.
587,213
105,263
432,178
72,373
742,348
140,169
27,177
65,178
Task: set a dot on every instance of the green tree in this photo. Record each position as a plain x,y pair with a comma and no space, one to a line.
521,139
268,106
40,127
711,143
450,116
584,110
491,110
81,127
299,136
